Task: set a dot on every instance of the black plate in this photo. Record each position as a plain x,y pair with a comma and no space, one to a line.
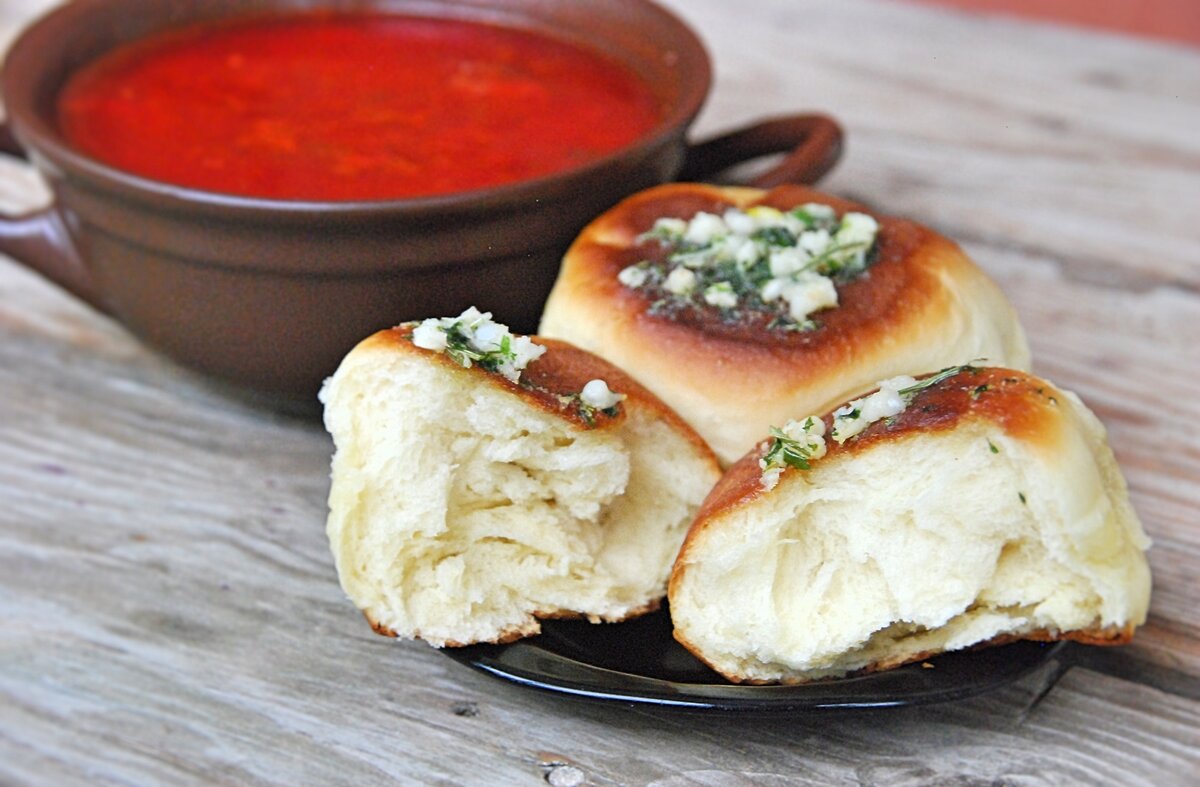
640,662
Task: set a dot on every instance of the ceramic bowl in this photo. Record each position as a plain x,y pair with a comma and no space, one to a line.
268,294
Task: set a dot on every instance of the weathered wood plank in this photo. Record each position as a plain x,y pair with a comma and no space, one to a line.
1035,137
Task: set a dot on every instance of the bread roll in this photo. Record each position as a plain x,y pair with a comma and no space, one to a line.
920,305
465,506
989,509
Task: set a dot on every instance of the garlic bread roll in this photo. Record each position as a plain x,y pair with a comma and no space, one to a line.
989,509
465,506
729,364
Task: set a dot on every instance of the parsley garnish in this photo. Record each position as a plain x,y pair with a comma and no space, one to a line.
910,393
775,236
459,348
770,260
804,216
785,450
586,411
832,261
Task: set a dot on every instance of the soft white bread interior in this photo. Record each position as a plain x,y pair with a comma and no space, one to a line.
991,509
465,507
920,306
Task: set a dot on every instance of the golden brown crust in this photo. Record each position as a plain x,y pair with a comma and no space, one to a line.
565,369
1106,636
1021,405
870,306
550,381
557,374
921,304
994,402
1014,403
511,634
514,633
1017,403
378,627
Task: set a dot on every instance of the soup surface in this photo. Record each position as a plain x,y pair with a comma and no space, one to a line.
351,106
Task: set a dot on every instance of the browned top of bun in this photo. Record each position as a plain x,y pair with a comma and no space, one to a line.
549,382
899,282
1021,405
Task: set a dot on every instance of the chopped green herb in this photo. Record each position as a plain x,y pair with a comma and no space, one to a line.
586,411
1022,496
979,390
459,348
663,306
666,231
832,261
782,323
474,339
785,265
775,236
992,447
785,450
795,445
911,391
804,216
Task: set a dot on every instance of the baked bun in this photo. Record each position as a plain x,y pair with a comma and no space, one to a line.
465,506
731,371
989,509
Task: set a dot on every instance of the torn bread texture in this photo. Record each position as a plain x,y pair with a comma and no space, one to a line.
990,510
922,305
465,507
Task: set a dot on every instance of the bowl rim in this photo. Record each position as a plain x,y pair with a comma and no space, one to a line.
50,34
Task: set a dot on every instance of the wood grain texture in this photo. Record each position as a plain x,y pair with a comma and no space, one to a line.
169,612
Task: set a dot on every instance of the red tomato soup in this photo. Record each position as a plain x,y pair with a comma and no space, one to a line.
352,106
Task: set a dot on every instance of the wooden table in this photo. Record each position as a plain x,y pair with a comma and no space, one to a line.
169,611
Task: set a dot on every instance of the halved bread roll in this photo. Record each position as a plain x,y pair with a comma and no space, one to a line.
989,509
733,367
465,506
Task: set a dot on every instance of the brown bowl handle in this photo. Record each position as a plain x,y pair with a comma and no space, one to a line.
813,144
40,241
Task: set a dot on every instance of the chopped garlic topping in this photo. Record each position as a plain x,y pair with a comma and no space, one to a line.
857,228
770,477
808,429
430,336
721,295
787,261
856,416
819,211
739,223
814,242
808,293
704,228
857,232
597,394
761,258
634,276
680,281
794,445
474,338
